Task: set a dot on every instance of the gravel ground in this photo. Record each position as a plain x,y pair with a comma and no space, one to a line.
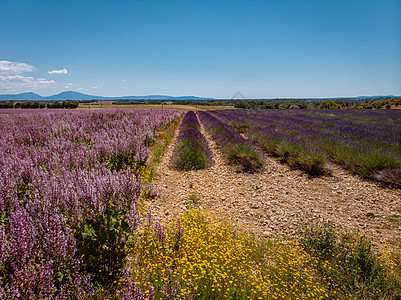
277,199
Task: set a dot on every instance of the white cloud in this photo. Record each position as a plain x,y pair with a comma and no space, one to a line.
15,78
62,71
79,89
94,87
123,80
14,68
17,83
44,81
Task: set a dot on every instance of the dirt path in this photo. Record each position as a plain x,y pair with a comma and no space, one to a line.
276,199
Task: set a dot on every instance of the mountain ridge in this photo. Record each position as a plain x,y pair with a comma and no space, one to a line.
71,95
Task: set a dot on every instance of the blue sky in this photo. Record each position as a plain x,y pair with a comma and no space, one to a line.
265,49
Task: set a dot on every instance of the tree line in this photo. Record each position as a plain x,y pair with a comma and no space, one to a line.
325,104
35,104
343,103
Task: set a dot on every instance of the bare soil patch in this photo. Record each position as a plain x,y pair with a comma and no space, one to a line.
277,199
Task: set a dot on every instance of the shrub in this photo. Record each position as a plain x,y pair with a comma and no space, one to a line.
329,104
6,104
350,264
63,104
190,155
244,158
102,244
303,157
367,163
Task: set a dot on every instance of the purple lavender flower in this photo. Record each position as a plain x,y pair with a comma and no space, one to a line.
191,151
171,289
363,141
238,152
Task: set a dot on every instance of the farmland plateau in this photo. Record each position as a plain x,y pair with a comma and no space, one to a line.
212,204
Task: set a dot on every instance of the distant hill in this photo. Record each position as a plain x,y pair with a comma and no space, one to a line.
374,97
70,95
23,96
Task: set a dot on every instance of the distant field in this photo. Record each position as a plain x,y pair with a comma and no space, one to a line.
108,105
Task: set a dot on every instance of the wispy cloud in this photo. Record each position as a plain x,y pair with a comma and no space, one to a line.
16,83
14,68
62,71
44,81
91,88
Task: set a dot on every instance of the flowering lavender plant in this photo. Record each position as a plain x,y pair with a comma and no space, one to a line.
130,290
238,152
365,142
66,213
191,151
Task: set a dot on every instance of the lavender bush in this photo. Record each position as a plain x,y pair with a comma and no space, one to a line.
67,211
191,151
237,151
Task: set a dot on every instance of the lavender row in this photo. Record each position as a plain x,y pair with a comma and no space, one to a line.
304,156
191,151
236,150
66,211
364,142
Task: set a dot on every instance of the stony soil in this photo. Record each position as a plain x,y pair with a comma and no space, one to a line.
277,199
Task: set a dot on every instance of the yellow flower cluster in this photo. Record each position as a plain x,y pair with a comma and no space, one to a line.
146,174
390,258
214,260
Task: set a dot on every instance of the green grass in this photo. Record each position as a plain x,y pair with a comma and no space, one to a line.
351,263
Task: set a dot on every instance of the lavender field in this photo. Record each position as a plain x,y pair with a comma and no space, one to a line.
74,186
69,189
365,142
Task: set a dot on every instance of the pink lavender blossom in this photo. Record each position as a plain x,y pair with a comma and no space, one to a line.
58,170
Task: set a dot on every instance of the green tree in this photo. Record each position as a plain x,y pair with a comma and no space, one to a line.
329,104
